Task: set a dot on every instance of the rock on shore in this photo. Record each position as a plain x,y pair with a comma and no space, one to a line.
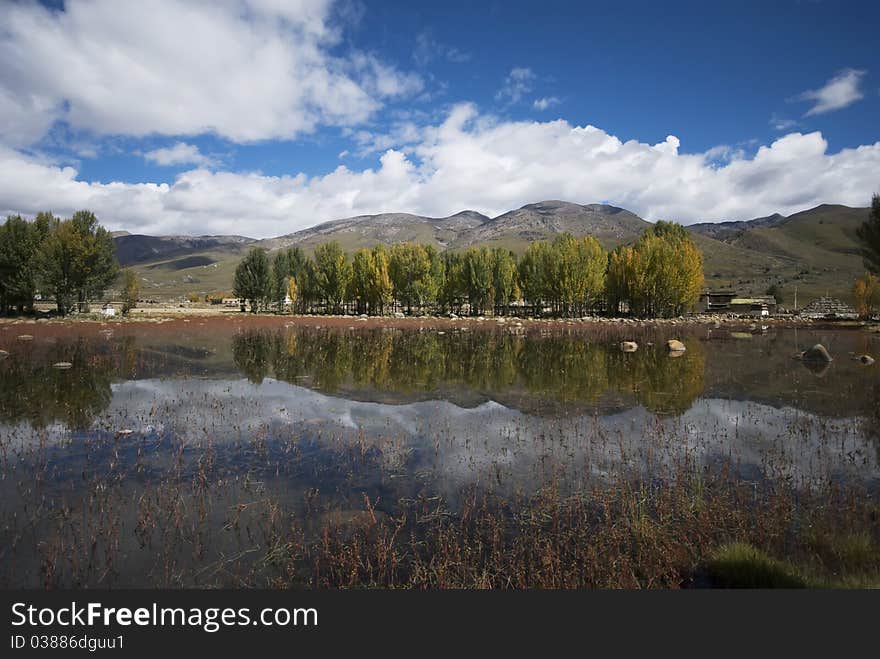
818,353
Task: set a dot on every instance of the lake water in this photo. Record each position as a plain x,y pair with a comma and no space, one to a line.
299,414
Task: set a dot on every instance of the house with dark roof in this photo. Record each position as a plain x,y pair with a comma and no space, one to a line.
729,302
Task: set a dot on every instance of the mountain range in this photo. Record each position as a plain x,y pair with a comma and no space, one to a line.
814,251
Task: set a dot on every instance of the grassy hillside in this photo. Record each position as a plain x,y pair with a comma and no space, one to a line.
815,251
173,278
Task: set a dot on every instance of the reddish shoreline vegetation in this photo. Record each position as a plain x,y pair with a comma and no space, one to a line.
272,451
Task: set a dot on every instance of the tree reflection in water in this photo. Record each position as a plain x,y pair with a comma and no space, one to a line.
563,367
36,392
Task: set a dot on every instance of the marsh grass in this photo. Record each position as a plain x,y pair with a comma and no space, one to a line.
742,565
209,527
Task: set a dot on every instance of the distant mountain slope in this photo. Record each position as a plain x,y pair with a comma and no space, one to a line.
388,228
134,249
514,229
722,230
814,251
610,225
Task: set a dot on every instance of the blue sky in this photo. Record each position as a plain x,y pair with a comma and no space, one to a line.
261,117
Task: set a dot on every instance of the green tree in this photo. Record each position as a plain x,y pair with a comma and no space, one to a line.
869,234
77,261
332,273
478,279
504,281
412,273
577,273
302,270
130,291
20,242
307,284
278,278
453,291
252,279
623,279
370,285
361,278
437,275
380,289
776,291
533,273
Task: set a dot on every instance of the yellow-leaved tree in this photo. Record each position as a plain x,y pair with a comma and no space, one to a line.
661,275
867,294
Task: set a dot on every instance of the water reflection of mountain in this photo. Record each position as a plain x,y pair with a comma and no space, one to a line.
452,447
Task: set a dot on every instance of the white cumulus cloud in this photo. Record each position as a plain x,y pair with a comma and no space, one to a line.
246,70
468,160
180,153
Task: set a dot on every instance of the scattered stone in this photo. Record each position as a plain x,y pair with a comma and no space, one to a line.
398,314
4,354
674,345
25,337
866,360
818,353
62,365
124,432
629,346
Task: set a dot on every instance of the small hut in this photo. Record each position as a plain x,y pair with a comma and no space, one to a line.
715,301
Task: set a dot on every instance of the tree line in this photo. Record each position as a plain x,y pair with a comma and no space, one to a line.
71,261
661,275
